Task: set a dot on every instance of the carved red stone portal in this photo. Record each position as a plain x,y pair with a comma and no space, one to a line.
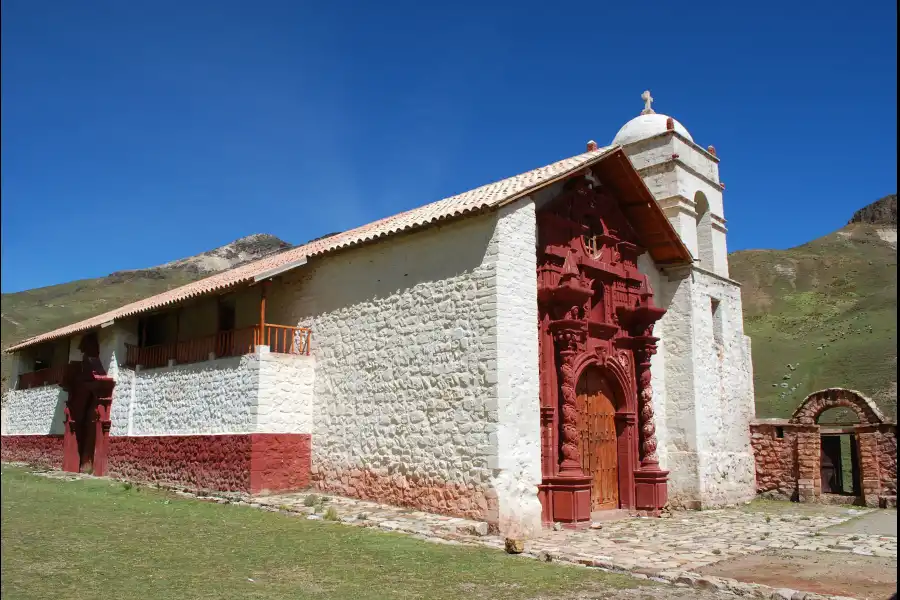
596,311
87,411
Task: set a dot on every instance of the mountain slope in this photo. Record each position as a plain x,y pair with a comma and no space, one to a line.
28,313
824,314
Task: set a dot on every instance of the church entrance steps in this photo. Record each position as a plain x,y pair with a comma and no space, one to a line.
677,550
604,516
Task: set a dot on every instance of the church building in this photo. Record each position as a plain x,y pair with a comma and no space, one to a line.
550,345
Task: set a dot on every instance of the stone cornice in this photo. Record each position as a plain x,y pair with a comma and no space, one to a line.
674,133
680,163
683,272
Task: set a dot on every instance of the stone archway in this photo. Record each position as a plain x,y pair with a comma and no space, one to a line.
818,402
790,453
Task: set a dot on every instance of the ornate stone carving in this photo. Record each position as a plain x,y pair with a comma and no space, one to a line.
649,458
571,457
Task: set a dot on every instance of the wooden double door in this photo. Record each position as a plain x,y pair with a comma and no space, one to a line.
598,442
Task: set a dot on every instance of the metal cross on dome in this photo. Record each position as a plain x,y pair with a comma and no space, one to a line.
648,99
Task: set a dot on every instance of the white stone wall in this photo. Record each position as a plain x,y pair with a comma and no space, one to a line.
35,411
724,393
703,389
410,384
404,341
285,393
213,397
258,393
672,377
518,398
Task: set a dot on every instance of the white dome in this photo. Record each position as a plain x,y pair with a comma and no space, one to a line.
647,125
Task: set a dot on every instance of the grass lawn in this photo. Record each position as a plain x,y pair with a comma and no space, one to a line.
95,538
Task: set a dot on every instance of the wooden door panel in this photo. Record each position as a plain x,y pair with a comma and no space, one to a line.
597,440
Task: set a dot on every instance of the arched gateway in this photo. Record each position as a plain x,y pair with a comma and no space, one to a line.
596,316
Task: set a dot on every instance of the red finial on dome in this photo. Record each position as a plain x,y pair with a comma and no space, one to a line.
711,149
591,146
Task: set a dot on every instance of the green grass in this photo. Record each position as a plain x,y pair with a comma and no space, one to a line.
829,305
95,538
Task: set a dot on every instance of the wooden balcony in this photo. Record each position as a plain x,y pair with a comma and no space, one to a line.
281,339
41,377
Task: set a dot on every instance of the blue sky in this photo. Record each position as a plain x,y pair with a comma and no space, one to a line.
134,133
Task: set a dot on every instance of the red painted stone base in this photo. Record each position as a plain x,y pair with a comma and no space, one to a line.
427,494
566,500
38,450
255,463
651,491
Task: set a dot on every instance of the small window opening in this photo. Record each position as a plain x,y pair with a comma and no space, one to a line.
41,363
779,433
715,309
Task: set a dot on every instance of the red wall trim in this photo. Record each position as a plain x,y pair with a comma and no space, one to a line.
250,463
39,450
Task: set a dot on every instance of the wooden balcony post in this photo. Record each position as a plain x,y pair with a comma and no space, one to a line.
262,311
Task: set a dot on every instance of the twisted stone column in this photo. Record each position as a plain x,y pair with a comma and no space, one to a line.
571,455
649,458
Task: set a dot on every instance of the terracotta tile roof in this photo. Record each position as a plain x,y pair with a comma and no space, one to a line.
487,196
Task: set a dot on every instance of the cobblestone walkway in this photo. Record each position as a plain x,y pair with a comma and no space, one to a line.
686,540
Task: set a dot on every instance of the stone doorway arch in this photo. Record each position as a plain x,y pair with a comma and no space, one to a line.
788,452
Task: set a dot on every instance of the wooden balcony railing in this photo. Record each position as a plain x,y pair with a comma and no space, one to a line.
280,338
41,377
284,339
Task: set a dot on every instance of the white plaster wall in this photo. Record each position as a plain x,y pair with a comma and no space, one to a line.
724,394
518,438
35,411
699,162
677,423
405,343
285,393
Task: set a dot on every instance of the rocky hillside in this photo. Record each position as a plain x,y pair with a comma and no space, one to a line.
42,309
824,314
880,212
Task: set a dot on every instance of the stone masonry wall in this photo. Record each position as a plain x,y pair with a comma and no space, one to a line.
405,336
789,467
218,396
35,411
775,461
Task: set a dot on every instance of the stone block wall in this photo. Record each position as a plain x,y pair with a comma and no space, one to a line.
775,460
788,461
409,408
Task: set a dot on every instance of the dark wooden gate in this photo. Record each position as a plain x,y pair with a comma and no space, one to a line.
597,439
831,465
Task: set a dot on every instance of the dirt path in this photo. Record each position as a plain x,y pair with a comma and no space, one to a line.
839,574
882,522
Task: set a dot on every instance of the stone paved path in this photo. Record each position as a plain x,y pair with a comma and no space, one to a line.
670,549
686,540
